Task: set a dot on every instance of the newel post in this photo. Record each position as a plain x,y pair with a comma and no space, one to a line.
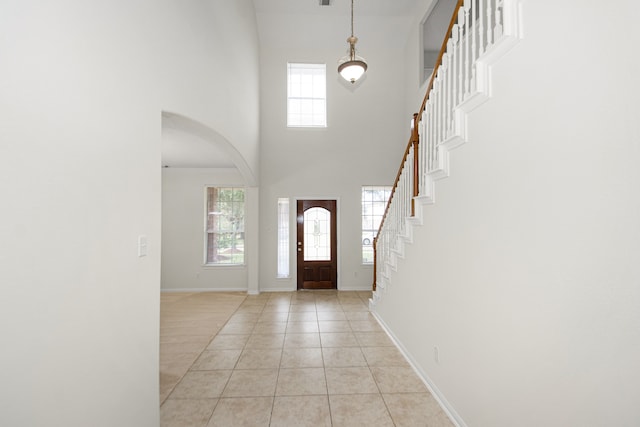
415,141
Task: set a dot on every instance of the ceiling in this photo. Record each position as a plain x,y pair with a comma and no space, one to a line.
337,7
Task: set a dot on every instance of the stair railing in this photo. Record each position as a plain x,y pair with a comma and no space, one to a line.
474,28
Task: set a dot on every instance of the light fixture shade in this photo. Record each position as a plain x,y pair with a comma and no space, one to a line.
352,69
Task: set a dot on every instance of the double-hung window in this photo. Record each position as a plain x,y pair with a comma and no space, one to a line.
225,226
306,95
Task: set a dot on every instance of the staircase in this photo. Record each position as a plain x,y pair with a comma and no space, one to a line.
479,34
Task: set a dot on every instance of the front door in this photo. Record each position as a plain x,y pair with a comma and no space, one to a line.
317,244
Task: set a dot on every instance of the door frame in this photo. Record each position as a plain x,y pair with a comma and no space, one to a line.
294,240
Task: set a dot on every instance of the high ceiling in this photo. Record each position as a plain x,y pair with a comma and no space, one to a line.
295,24
337,7
304,23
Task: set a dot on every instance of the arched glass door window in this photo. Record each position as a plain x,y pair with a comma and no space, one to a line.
317,234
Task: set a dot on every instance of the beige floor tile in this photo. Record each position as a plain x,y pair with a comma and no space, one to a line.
365,326
360,315
187,347
201,384
354,306
186,412
244,317
178,339
301,411
228,342
167,383
327,307
338,339
334,326
216,359
350,381
355,410
251,383
301,340
397,380
373,339
384,356
270,328
304,316
252,301
270,315
335,357
331,315
416,409
302,327
182,331
259,359
300,382
250,309
239,328
321,354
301,307
257,341
176,364
301,358
282,303
242,412
272,308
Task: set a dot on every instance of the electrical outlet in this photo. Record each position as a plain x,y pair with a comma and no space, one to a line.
436,354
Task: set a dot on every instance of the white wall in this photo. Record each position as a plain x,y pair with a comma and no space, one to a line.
212,70
365,128
525,274
183,207
82,87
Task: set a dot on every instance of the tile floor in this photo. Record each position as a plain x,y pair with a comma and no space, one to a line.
311,358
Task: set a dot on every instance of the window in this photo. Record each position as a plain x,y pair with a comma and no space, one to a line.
283,238
317,234
374,203
306,95
225,226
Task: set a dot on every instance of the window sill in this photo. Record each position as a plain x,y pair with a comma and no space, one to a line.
224,266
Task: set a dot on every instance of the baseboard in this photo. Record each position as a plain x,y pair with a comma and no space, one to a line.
435,392
195,290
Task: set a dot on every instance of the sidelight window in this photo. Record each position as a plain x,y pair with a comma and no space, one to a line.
374,203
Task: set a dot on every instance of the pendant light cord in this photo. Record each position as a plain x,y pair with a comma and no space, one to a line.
351,18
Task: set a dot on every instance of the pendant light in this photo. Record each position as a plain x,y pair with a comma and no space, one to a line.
352,67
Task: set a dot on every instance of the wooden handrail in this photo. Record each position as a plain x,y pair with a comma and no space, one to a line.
443,48
414,141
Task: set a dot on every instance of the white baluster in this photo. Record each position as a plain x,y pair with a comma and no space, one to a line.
438,111
481,26
454,63
489,24
461,55
497,31
451,88
467,42
474,48
431,135
445,94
